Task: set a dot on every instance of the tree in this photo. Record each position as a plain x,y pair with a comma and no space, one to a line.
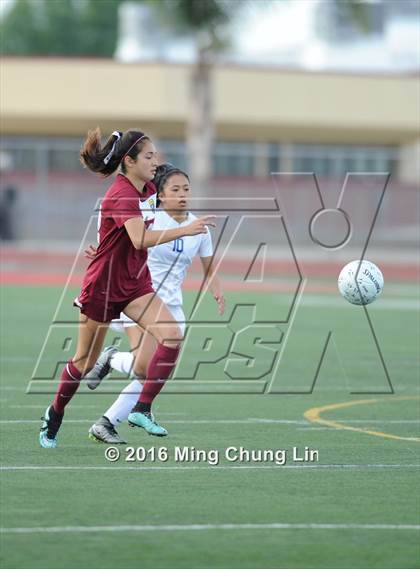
89,28
18,31
61,27
99,21
206,22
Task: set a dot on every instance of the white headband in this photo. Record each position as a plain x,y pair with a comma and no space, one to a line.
111,152
134,144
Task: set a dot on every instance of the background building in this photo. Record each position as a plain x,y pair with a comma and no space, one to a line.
248,90
267,120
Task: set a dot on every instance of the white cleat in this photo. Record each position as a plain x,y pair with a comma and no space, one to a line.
103,431
101,369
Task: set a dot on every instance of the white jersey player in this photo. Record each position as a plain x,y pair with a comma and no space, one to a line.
168,264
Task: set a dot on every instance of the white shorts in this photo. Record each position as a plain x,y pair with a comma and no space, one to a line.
125,322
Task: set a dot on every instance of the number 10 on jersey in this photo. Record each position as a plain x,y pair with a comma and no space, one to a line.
178,245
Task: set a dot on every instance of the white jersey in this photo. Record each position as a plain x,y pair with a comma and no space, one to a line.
169,262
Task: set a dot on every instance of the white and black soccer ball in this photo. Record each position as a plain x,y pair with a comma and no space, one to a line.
360,282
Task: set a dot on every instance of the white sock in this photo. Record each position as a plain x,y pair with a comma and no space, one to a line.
122,362
120,409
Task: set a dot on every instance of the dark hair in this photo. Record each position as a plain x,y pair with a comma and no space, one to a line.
163,173
105,160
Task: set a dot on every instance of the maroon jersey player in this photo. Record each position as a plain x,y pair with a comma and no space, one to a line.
118,278
109,277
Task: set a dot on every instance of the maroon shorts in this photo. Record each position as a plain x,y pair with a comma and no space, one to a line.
103,310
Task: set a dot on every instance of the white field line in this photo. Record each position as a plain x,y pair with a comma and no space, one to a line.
121,383
382,304
22,359
362,421
232,421
206,527
142,468
26,406
186,422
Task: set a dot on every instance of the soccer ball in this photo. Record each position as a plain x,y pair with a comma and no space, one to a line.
360,282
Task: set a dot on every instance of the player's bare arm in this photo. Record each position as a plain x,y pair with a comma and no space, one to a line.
143,239
215,285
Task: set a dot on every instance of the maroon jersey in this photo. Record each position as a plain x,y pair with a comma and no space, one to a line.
119,272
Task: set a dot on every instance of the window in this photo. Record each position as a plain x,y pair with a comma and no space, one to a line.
18,158
337,161
230,159
234,159
273,158
64,160
173,151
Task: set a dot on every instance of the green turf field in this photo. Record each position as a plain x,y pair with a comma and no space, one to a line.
357,507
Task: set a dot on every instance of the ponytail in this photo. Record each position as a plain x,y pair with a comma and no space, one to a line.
105,160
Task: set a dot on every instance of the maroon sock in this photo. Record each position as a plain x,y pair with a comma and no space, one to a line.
69,384
160,368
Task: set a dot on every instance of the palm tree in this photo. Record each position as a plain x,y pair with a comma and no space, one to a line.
206,22
93,31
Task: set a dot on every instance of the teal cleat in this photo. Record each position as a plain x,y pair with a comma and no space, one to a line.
147,422
45,442
49,428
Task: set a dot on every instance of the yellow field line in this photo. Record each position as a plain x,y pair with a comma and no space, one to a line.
313,415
